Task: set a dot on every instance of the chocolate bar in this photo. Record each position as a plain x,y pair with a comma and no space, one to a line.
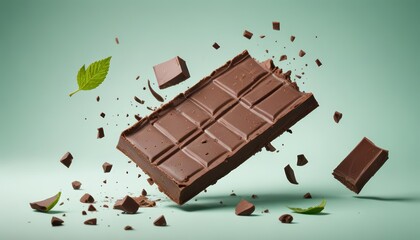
212,128
360,165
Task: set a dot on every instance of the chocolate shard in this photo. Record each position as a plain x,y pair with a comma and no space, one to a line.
276,26
138,77
154,93
91,208
138,100
107,167
101,133
171,72
84,213
301,160
143,192
128,228
360,165
290,174
216,45
262,36
184,150
270,147
55,221
307,195
337,116
286,218
76,185
292,38
150,181
318,63
160,221
87,198
127,205
102,115
117,41
137,117
67,159
283,57
47,204
91,221
302,53
244,208
248,34
98,98
143,201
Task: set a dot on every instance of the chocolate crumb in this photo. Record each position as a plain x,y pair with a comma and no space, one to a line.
319,63
128,227
117,41
67,159
248,34
216,45
160,221
102,114
266,211
138,100
61,204
301,160
307,195
292,38
270,147
101,133
55,221
276,26
91,221
286,218
91,208
283,57
337,116
262,36
143,192
98,98
107,167
76,185
150,181
290,174
302,53
137,117
254,196
84,212
138,77
87,198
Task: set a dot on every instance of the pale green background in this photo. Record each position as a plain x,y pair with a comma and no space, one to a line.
370,54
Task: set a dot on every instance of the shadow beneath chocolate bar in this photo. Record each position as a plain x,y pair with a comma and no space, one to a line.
390,199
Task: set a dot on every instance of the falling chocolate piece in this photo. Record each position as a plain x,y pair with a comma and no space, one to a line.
138,100
107,167
160,221
319,63
138,77
292,38
254,196
266,211
87,198
67,159
117,41
290,174
143,201
298,76
302,53
91,221
105,206
84,213
137,117
128,228
171,72
55,221
102,114
216,45
337,116
98,98
91,208
150,181
301,160
101,133
262,36
127,205
289,131
307,195
248,34
283,57
155,94
143,192
270,147
62,203
286,218
276,26
244,208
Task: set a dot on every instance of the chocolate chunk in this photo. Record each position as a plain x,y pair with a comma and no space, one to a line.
154,93
337,116
292,38
286,218
283,57
55,221
244,208
104,181
87,198
102,115
127,205
138,77
290,174
128,228
91,208
137,117
266,211
289,131
98,98
171,73
216,46
248,34
91,221
276,26
107,167
84,212
262,36
101,133
254,196
150,181
138,100
270,147
117,41
62,203
138,175
160,221
319,63
302,53
43,205
76,185
301,160
143,201
360,165
143,192
307,195
67,159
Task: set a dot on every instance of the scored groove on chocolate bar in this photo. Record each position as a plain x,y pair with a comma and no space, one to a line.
185,141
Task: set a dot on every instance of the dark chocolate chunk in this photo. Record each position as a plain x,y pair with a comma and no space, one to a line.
101,133
127,205
104,181
138,100
91,208
270,147
138,77
302,53
43,205
171,73
276,26
55,221
283,57
150,181
319,63
248,34
286,218
84,212
301,160
244,208
117,40
216,45
337,116
91,221
160,221
262,36
254,196
87,198
105,206
154,93
62,203
98,98
143,192
266,211
107,167
128,228
102,115
290,174
67,159
137,117
360,165
289,131
292,38
307,195
76,185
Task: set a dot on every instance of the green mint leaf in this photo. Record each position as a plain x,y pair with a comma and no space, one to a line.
57,198
310,210
93,76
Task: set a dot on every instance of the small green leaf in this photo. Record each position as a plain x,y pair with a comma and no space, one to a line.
93,76
49,207
310,210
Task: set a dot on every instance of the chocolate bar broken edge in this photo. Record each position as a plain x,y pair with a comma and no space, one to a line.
182,193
